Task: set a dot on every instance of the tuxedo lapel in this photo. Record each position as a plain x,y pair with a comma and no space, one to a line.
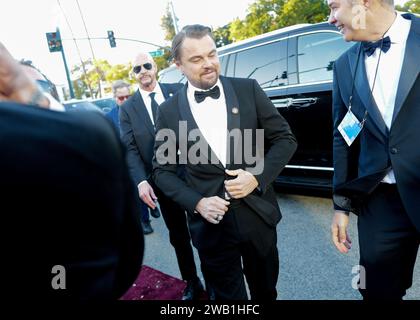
233,121
167,90
140,108
362,87
410,69
186,115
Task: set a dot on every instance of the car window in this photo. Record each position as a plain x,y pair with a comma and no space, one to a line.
316,55
223,62
230,68
267,64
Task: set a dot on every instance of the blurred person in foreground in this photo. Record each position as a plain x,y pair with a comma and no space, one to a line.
68,238
376,118
232,213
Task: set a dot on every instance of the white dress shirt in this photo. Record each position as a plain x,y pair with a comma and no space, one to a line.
159,97
211,118
389,71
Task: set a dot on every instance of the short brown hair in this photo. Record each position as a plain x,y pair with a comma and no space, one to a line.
195,31
118,84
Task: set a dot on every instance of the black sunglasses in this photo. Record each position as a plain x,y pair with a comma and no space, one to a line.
147,66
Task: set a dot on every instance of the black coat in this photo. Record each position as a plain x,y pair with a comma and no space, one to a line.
360,168
138,132
247,108
67,200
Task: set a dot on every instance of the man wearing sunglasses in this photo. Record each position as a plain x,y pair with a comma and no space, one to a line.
137,123
121,91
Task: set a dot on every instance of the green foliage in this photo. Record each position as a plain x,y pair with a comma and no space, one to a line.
165,60
268,15
412,6
99,70
167,24
222,36
303,11
261,18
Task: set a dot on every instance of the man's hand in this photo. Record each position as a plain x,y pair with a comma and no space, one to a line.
15,85
147,194
242,186
212,209
339,234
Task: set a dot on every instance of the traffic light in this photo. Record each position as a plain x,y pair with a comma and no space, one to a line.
111,39
54,41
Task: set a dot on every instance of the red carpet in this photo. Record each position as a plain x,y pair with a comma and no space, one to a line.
152,284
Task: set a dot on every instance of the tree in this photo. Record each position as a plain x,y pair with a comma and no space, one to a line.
260,19
412,6
222,36
167,24
165,60
303,11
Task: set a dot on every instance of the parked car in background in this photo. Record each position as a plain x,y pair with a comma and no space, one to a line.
294,66
103,105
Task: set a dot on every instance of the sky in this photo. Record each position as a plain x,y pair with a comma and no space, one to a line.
23,24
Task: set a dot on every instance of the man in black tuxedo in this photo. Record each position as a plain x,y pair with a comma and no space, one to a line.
71,228
378,176
137,124
232,212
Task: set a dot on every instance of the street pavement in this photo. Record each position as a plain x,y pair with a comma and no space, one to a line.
310,266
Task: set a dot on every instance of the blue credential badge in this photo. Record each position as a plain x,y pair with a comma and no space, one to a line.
350,127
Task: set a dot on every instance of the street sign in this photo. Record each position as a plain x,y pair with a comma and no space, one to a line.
157,53
54,41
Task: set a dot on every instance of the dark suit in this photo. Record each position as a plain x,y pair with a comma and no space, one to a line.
360,168
138,134
67,199
249,227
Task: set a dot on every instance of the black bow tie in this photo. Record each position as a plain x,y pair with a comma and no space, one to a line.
201,95
370,47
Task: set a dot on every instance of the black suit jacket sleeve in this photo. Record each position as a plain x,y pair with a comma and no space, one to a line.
279,139
341,155
134,159
165,175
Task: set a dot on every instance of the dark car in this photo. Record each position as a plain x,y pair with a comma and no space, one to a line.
103,105
294,67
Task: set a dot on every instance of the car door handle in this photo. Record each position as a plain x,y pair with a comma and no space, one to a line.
303,102
297,103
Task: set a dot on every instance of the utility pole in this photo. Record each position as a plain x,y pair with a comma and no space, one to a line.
174,18
77,48
91,49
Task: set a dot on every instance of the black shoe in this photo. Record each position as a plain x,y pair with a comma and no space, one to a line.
193,290
155,213
147,228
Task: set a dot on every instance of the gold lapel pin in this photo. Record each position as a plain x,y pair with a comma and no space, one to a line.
235,110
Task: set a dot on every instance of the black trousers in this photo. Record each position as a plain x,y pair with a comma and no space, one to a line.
225,266
179,235
388,245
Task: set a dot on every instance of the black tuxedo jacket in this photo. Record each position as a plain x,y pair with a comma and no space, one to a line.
138,132
66,199
360,168
248,107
